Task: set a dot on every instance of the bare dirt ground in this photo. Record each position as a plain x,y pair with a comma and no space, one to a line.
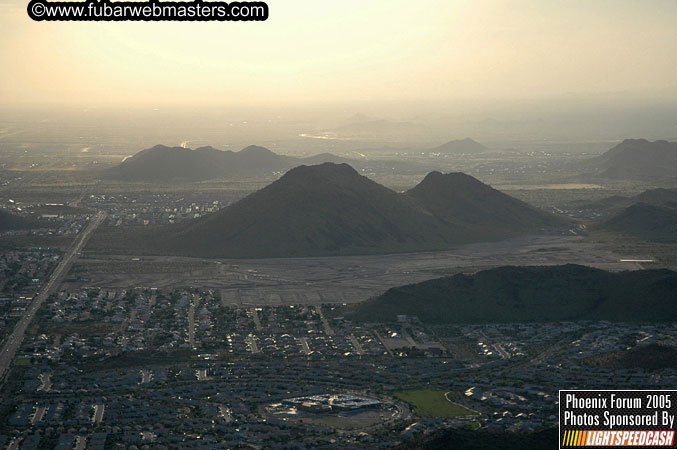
333,279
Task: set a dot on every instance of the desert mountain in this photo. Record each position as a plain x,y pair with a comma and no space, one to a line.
651,222
638,159
467,202
616,203
515,294
460,146
657,196
329,209
316,210
170,164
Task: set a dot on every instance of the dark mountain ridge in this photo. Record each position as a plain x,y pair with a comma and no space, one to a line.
531,294
330,209
461,199
651,222
638,159
316,210
171,164
616,203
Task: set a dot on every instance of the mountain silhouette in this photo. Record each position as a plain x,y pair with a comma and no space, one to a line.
638,159
650,222
460,146
330,209
516,294
465,201
162,164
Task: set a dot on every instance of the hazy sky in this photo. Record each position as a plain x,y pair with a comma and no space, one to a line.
349,50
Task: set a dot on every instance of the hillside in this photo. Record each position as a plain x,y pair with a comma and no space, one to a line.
616,203
463,200
330,209
10,222
650,222
531,294
638,159
460,146
316,210
162,164
647,357
657,196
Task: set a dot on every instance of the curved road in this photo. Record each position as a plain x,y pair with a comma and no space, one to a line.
15,339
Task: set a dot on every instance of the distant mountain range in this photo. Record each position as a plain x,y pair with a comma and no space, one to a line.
171,164
329,209
650,222
459,147
531,294
651,215
10,221
616,203
637,159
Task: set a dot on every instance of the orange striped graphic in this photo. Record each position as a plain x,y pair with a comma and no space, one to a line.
574,438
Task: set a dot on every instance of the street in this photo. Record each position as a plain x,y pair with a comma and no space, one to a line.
15,339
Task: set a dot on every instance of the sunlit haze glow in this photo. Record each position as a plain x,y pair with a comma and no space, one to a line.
341,51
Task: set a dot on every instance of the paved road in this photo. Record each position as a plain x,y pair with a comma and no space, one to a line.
251,340
81,443
39,414
501,351
304,346
191,321
255,317
15,339
99,409
327,329
46,379
356,345
383,343
498,347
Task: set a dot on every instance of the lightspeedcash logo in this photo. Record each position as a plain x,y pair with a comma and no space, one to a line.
617,418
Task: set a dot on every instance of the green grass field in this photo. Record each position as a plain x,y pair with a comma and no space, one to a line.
432,403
